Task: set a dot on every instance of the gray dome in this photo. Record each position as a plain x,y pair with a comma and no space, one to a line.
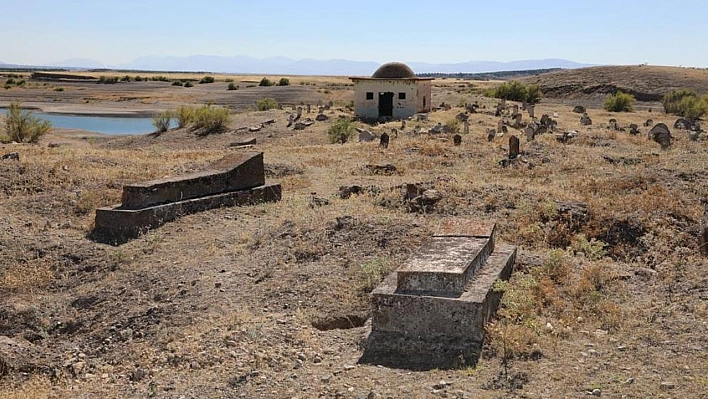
394,70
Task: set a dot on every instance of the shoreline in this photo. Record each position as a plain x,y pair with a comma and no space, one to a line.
81,110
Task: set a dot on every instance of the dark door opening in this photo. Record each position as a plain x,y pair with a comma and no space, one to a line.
385,104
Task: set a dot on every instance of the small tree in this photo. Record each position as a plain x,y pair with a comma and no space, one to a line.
162,121
284,82
21,126
265,104
341,131
265,82
620,102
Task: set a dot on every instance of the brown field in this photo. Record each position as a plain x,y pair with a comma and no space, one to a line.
224,303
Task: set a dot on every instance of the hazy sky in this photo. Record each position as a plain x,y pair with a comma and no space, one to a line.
589,31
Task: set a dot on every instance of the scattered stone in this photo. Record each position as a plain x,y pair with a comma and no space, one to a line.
661,134
291,120
666,385
585,120
596,392
255,128
457,139
268,122
321,117
365,135
11,155
242,143
383,141
53,145
347,191
530,110
613,124
648,123
633,129
387,169
437,129
316,201
566,136
300,126
579,109
466,125
684,124
491,133
462,117
530,133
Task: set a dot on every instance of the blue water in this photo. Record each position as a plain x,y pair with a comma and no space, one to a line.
99,124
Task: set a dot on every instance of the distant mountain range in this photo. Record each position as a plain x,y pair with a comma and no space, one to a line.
287,66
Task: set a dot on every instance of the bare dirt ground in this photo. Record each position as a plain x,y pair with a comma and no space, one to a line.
270,301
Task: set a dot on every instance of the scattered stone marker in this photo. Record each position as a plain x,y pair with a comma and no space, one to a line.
237,179
514,110
633,129
431,311
504,129
585,120
613,124
579,109
299,113
649,122
383,142
291,120
321,117
703,232
530,108
514,149
365,135
517,121
466,125
436,129
308,108
299,126
491,133
457,139
566,136
462,117
403,125
500,124
11,155
661,134
530,133
245,142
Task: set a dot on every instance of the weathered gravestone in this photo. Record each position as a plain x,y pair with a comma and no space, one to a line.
613,124
579,109
530,108
633,129
491,133
514,149
431,311
237,179
585,120
457,139
661,134
648,123
383,142
365,135
530,133
466,125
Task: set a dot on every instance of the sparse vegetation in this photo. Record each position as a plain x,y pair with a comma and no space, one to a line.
185,116
619,102
265,82
210,119
108,80
516,91
340,131
162,121
207,79
22,126
284,82
232,86
188,84
265,104
686,103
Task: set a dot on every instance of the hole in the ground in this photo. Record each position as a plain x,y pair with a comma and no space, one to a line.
339,322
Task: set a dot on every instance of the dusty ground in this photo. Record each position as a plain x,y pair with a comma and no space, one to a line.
268,301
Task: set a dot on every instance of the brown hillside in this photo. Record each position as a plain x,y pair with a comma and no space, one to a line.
646,83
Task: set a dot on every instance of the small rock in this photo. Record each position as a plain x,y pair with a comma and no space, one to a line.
668,385
326,378
629,380
596,392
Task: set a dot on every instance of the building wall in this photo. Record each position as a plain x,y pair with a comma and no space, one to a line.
424,96
402,108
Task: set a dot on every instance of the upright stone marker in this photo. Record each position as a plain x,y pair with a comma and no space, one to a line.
457,139
530,108
514,150
383,142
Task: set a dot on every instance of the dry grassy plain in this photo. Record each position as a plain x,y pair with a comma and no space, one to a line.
239,302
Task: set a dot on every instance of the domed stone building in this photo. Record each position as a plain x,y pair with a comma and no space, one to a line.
393,91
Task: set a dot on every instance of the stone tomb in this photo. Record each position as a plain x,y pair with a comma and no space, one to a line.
237,179
431,311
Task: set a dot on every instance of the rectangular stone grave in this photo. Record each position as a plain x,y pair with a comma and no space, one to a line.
237,179
431,311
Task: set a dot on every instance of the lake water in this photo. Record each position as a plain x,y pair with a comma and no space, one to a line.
99,124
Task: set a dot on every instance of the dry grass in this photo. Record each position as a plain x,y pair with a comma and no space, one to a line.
222,302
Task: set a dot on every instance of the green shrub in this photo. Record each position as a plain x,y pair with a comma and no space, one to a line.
188,84
341,131
516,91
108,80
59,89
207,79
685,103
619,102
265,104
209,119
185,115
159,78
232,86
125,78
284,82
162,121
453,125
139,78
177,83
21,126
265,82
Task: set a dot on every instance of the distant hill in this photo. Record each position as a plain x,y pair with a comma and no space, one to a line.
645,82
287,66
